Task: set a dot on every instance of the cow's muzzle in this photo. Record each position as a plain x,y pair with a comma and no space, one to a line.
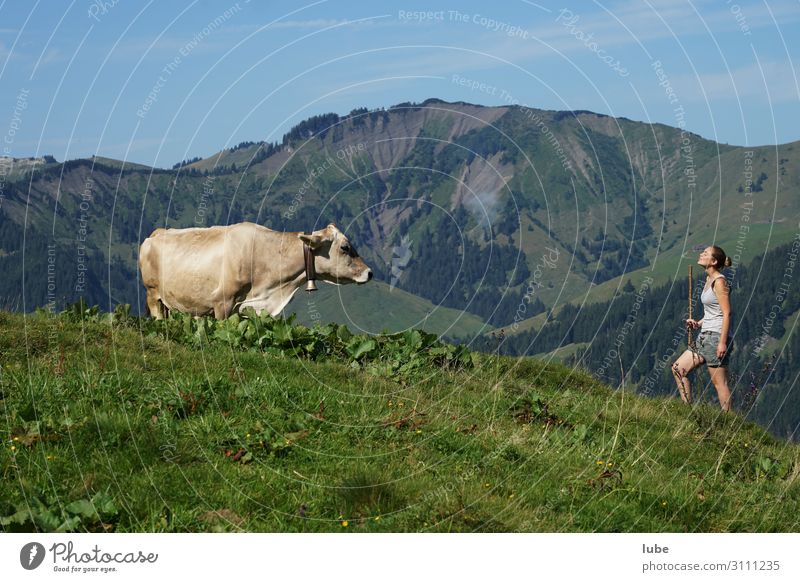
364,279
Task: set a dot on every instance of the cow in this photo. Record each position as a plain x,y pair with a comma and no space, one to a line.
223,269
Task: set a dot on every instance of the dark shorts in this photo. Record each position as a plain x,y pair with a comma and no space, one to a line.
707,343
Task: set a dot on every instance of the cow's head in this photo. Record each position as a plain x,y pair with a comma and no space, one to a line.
336,261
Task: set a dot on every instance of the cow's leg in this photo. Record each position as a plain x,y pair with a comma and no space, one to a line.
154,304
258,305
222,308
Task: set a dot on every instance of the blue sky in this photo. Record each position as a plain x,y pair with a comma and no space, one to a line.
156,83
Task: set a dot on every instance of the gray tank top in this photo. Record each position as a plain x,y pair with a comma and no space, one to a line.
712,314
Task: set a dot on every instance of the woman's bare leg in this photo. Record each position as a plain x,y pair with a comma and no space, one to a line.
720,379
685,363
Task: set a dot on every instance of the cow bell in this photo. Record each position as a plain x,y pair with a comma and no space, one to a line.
311,274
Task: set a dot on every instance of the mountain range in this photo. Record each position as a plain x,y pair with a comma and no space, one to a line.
536,227
478,209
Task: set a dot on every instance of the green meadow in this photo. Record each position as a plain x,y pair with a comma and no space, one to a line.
112,423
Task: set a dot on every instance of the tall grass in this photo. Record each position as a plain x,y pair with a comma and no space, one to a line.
114,424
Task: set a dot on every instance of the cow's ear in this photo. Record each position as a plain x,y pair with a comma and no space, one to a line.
315,239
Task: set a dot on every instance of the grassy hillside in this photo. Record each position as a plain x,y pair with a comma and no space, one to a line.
113,424
378,307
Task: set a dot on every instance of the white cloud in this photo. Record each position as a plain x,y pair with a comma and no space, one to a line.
639,22
53,55
644,19
745,82
318,23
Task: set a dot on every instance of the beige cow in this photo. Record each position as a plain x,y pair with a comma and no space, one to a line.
222,269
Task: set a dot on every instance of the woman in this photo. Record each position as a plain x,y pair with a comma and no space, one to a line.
713,343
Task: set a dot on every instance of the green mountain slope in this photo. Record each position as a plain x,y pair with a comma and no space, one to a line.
113,427
478,195
378,307
509,215
633,338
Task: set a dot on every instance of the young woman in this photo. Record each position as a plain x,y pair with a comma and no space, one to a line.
713,345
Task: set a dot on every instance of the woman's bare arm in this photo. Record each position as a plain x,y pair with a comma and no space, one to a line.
723,296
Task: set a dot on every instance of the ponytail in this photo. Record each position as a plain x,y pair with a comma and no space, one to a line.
722,259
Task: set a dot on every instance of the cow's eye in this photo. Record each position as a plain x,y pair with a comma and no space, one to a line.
345,249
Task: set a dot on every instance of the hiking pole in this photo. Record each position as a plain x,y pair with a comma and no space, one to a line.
689,327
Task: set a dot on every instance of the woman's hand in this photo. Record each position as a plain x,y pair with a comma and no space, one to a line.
693,323
722,349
